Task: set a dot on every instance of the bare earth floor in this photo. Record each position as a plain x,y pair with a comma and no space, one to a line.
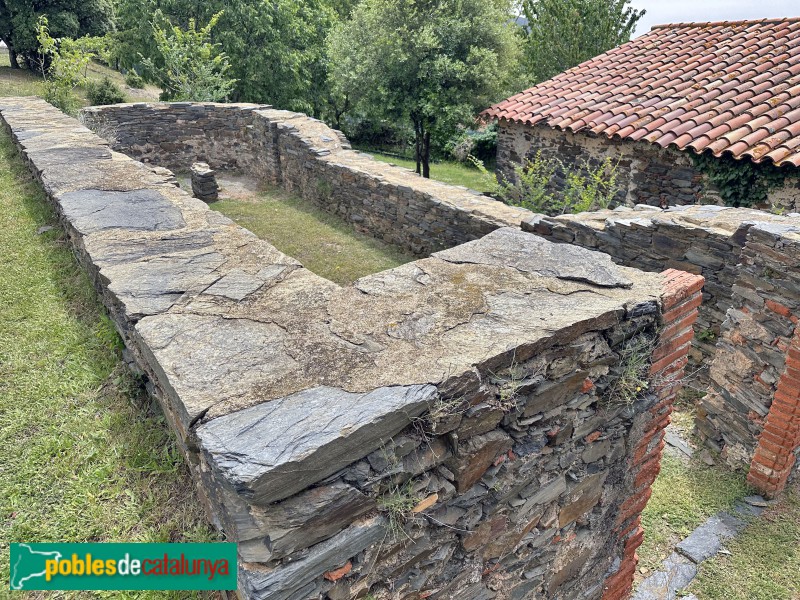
323,243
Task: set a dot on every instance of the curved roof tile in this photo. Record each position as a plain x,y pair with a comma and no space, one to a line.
724,87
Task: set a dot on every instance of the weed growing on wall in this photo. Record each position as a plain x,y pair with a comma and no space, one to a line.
398,504
633,371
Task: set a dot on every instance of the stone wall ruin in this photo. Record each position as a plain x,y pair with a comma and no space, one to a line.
512,480
746,331
456,427
305,156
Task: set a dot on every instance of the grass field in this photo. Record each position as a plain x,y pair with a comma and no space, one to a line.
684,496
764,561
82,456
322,242
20,82
446,171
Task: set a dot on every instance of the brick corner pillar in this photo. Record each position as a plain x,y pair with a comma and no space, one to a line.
775,453
681,297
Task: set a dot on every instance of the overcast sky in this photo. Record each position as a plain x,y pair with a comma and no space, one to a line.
678,11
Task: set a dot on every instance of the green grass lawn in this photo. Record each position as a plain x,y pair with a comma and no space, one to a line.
20,82
322,242
764,561
446,171
685,494
82,456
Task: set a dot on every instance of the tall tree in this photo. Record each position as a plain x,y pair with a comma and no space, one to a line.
564,33
276,47
67,19
433,62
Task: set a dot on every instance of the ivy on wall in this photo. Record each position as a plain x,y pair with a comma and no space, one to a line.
741,182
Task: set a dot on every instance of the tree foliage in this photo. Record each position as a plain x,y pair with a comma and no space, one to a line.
433,62
66,19
63,67
276,48
564,33
191,67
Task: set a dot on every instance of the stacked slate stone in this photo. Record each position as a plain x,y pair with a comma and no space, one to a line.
176,134
752,350
645,173
204,182
705,240
305,155
465,425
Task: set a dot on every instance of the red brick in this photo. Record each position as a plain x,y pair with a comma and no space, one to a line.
633,506
779,308
679,285
592,437
664,349
676,355
679,326
647,475
337,574
677,312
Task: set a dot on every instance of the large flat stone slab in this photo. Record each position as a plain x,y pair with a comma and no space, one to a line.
705,541
677,573
278,448
89,211
505,247
292,582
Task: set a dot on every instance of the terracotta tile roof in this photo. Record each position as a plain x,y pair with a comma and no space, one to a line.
726,87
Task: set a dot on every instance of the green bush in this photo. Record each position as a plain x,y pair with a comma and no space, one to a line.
134,80
587,187
104,91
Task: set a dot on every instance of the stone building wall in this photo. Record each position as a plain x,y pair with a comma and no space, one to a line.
455,427
304,155
647,173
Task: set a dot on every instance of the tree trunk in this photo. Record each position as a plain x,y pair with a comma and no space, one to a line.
12,55
418,146
426,155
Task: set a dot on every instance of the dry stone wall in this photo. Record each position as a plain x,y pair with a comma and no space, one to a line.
747,323
706,240
306,156
456,427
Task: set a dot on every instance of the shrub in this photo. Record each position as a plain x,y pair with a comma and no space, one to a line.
134,80
193,68
63,66
479,143
585,188
104,91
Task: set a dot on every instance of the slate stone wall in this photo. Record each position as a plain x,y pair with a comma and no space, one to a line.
752,410
304,155
647,173
746,324
455,427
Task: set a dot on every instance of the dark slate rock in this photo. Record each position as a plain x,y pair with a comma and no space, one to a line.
663,585
296,579
509,247
705,541
278,448
95,210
